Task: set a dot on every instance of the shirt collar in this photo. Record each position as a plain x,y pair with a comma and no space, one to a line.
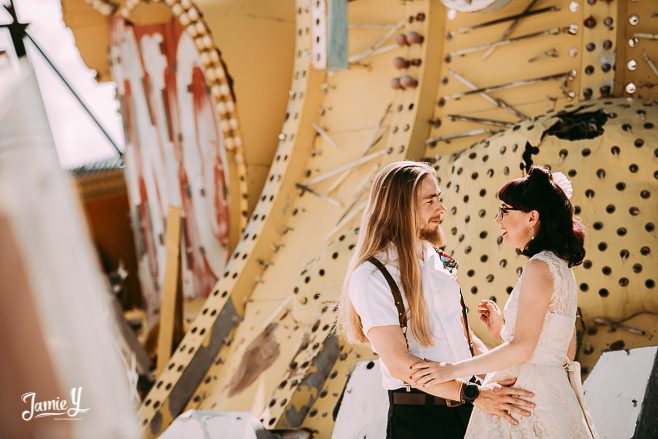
429,253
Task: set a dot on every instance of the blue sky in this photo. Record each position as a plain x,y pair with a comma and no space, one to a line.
77,138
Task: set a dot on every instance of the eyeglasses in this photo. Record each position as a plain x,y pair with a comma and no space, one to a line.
502,210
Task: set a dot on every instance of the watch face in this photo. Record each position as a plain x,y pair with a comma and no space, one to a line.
471,391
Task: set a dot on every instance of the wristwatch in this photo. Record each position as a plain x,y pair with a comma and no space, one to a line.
469,392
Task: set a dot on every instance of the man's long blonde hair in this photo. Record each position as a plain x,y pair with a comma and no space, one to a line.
390,219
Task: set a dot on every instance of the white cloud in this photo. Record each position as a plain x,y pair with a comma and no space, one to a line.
77,138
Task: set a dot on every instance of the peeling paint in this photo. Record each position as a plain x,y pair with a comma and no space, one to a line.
257,358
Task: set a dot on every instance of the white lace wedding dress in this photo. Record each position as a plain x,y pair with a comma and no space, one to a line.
558,413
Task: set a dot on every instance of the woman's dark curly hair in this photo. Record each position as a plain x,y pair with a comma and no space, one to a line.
559,231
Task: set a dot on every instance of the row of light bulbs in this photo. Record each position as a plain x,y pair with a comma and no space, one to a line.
189,16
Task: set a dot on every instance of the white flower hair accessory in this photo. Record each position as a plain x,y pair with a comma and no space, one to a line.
563,183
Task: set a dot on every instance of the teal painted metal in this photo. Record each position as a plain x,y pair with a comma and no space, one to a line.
337,35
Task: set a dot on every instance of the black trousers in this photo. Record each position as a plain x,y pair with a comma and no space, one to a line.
427,421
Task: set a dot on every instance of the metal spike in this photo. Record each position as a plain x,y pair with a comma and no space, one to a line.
504,42
377,44
320,195
325,135
374,140
650,62
510,29
550,53
496,101
466,29
513,84
340,169
497,123
447,138
646,36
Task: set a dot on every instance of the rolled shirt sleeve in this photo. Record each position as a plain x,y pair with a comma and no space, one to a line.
372,298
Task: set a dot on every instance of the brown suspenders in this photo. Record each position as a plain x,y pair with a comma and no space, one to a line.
399,304
468,331
397,297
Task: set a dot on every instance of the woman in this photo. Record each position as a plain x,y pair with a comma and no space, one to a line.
538,334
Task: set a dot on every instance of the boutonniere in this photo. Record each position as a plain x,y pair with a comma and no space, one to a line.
448,262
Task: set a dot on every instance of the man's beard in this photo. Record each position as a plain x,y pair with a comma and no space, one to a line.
434,235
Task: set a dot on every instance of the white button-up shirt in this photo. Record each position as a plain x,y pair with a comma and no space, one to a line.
373,300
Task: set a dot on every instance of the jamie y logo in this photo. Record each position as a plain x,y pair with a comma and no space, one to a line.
54,407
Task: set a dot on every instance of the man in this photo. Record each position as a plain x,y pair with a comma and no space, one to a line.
398,281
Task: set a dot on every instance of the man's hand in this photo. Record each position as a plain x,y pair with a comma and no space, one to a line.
500,399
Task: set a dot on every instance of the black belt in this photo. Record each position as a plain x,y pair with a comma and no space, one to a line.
418,397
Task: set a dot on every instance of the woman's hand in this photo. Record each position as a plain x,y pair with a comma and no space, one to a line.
491,315
427,373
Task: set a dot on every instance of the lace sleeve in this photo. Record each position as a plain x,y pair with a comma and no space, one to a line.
564,299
